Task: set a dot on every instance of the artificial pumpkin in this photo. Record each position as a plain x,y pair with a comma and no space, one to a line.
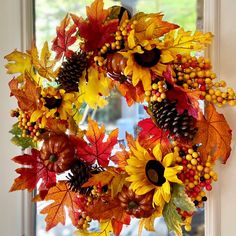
139,206
57,153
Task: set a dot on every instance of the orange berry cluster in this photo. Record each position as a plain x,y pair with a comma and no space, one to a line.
197,175
29,129
157,93
195,74
84,220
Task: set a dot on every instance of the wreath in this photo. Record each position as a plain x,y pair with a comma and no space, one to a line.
166,169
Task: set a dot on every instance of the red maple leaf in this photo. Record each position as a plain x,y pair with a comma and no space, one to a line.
95,29
150,134
31,173
186,99
96,149
65,38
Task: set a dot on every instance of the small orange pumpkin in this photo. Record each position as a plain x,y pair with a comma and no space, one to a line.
139,206
57,153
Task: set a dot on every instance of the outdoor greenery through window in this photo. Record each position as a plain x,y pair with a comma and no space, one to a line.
48,14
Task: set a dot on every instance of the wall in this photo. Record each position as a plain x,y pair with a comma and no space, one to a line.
16,32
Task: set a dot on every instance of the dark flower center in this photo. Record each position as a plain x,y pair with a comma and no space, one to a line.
155,172
53,158
149,58
133,205
52,102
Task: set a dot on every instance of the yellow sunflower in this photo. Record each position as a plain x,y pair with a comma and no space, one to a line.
145,60
55,103
152,172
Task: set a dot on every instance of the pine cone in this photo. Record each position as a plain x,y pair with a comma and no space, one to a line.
71,71
167,118
80,173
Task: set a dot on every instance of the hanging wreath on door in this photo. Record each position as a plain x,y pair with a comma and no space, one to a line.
166,169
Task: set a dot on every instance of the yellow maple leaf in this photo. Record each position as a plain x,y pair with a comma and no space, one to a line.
111,176
151,26
95,89
105,230
42,63
18,62
183,42
148,223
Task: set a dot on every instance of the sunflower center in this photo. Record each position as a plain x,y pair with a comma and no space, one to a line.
53,158
52,102
155,172
133,205
149,58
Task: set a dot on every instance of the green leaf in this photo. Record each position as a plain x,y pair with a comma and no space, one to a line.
172,218
18,140
179,199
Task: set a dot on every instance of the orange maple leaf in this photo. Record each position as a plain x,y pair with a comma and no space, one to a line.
62,197
27,95
214,134
108,208
120,157
132,94
97,149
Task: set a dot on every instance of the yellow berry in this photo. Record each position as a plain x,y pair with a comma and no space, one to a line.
189,157
195,154
207,176
154,86
190,151
199,167
148,93
191,185
194,162
188,228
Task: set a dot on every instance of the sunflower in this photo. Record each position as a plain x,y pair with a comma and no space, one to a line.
145,59
55,103
152,172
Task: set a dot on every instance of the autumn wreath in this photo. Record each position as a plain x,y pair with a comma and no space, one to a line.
166,169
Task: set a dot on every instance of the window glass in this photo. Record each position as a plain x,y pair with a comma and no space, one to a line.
48,14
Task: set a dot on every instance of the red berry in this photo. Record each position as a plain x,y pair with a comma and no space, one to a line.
208,187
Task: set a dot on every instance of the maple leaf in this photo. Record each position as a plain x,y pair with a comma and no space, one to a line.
18,62
112,176
96,149
27,95
120,157
183,42
62,198
108,208
214,134
151,26
106,228
64,39
95,30
132,93
185,98
95,89
148,223
150,134
42,63
33,171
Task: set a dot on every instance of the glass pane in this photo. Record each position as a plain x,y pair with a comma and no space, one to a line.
188,14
